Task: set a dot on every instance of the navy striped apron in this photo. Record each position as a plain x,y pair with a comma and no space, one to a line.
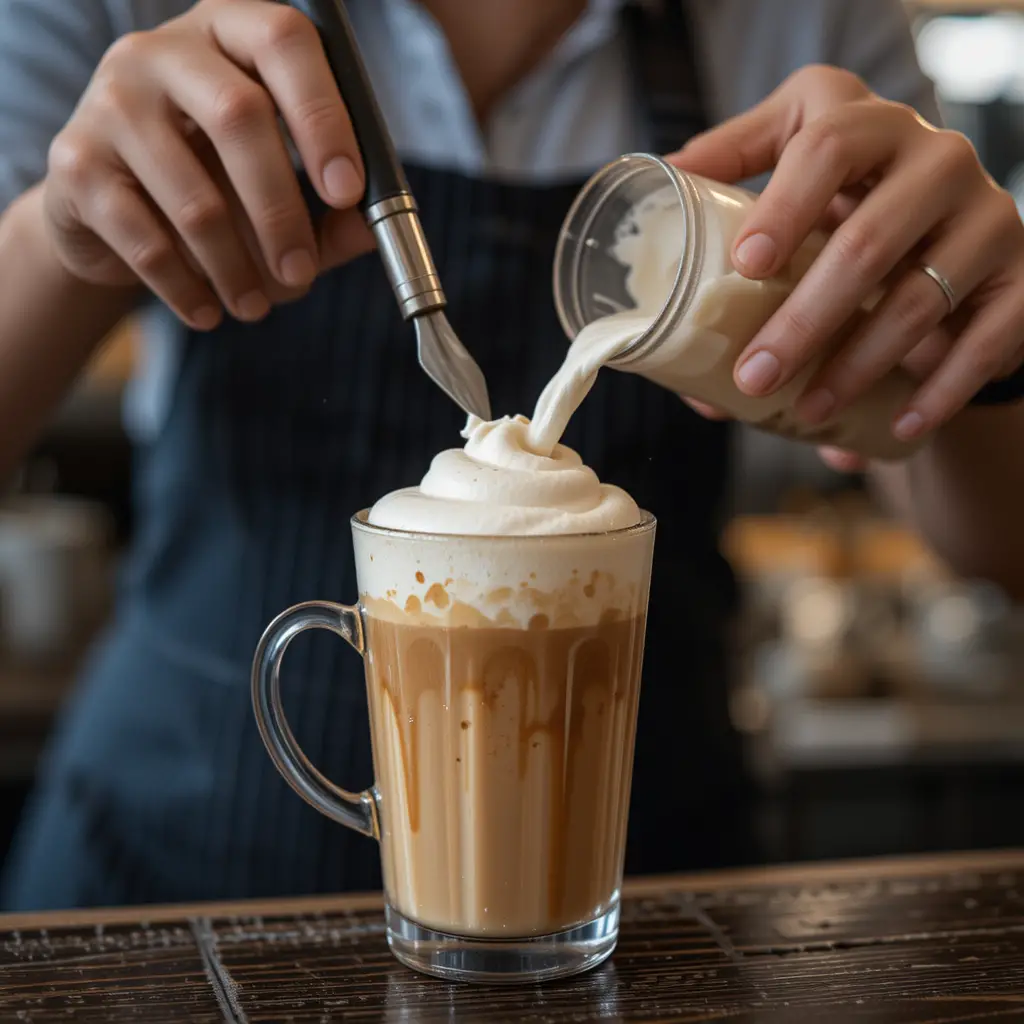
157,787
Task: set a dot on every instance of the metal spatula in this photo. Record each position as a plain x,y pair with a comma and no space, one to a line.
391,213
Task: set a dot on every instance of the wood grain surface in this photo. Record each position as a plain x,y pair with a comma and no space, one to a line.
931,940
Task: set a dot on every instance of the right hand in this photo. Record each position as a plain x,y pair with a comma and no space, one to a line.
174,172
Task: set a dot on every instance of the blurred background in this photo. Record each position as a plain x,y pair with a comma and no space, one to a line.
881,699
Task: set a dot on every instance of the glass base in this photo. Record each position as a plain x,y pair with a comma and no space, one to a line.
492,961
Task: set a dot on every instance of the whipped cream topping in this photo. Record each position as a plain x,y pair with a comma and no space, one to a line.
500,485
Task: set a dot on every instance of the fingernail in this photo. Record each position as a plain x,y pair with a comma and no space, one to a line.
342,181
759,373
757,254
298,268
908,426
253,306
816,406
206,318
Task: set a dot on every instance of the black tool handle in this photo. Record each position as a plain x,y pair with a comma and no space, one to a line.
384,174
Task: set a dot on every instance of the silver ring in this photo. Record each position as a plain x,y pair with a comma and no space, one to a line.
947,288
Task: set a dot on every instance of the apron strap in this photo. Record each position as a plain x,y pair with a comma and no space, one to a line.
666,70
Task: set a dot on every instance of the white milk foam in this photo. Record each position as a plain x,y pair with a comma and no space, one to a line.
570,580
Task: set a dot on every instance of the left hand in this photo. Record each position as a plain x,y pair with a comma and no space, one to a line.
903,193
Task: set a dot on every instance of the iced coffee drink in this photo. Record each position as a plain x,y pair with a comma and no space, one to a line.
501,615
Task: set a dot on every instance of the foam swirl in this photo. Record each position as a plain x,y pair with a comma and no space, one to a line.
496,485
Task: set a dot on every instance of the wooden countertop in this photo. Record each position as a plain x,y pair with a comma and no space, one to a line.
937,939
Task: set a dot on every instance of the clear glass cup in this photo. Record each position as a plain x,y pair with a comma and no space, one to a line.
503,678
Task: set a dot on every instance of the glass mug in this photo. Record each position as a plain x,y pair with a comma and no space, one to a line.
503,676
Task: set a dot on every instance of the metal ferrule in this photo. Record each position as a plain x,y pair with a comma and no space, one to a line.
403,247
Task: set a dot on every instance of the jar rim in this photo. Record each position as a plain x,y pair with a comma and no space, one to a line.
576,227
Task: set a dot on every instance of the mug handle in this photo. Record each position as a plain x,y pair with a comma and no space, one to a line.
356,810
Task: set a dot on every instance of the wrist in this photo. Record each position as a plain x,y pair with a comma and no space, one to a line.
27,233
50,323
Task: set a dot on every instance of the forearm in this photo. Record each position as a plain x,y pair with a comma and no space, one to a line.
964,494
50,324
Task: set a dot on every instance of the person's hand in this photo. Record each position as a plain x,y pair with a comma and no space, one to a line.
174,171
900,193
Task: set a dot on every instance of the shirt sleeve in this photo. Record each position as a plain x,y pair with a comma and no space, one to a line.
748,47
48,52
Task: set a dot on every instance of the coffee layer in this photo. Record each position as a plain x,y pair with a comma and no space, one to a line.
503,759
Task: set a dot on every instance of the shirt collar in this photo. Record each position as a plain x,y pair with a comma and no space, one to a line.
594,27
598,23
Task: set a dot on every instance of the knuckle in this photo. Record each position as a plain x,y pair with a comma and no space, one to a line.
825,139
901,112
320,116
284,28
786,213
109,95
859,250
954,153
73,159
277,219
822,78
152,256
800,328
915,310
129,49
109,207
202,214
238,109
